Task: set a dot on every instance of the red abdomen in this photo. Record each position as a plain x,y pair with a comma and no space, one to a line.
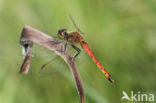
86,47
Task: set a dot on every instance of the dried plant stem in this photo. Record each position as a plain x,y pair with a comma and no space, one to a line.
30,35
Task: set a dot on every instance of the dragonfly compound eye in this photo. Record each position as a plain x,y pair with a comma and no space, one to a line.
62,31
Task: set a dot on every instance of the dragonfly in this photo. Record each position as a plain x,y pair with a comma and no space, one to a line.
76,38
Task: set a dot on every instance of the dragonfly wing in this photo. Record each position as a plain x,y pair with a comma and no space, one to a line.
53,67
50,64
76,27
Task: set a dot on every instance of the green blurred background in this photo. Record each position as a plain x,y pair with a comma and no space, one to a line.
121,33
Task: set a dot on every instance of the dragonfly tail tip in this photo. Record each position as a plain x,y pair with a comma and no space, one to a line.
111,80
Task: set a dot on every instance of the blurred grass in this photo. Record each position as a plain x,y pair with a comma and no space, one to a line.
122,35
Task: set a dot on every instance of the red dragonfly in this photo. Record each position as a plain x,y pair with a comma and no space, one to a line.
73,38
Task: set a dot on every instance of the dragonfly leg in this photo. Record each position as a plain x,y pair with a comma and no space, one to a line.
78,51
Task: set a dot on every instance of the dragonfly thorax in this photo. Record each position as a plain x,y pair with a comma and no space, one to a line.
70,37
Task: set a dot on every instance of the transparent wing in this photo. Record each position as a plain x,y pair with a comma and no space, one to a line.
53,67
49,63
76,27
56,66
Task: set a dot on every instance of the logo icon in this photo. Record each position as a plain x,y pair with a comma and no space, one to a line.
125,96
137,96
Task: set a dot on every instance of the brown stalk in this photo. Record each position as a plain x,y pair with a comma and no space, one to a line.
30,35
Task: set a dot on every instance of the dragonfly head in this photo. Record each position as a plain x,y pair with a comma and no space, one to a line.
62,33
